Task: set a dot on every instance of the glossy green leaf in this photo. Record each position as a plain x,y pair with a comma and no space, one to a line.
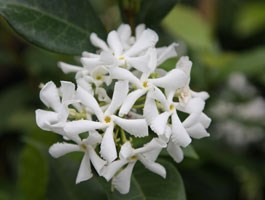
146,185
152,12
63,172
33,174
135,192
186,23
155,188
59,25
189,151
250,18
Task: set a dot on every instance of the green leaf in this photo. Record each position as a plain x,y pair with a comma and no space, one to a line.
250,18
190,152
135,192
63,172
155,188
186,23
146,185
33,174
152,12
59,25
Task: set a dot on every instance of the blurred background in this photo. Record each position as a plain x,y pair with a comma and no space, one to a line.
225,39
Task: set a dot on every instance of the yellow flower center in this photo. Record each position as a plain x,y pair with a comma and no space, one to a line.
98,77
83,146
145,84
121,57
171,107
107,119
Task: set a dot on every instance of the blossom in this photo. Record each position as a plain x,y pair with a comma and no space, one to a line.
58,100
85,145
122,94
146,155
107,120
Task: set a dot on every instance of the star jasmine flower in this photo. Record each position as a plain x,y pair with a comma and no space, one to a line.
185,93
90,156
58,99
107,120
158,122
120,171
113,52
121,92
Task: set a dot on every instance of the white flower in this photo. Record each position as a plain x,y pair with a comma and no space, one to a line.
143,96
158,122
146,155
185,93
58,100
107,120
116,52
87,146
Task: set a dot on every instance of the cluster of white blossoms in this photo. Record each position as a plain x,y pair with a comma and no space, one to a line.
121,95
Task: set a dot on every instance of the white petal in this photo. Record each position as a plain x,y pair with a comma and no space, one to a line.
93,138
67,68
59,149
97,162
84,172
175,152
126,151
89,55
121,89
122,181
197,131
97,42
150,109
90,63
81,126
44,119
83,83
135,127
130,100
139,30
203,95
205,120
124,32
124,74
152,155
89,101
147,39
185,65
194,105
152,166
179,134
140,62
158,125
151,146
194,118
109,171
68,90
159,95
108,147
145,63
49,95
166,53
102,95
173,80
115,43
108,59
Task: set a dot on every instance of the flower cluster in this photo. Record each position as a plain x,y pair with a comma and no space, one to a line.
122,95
